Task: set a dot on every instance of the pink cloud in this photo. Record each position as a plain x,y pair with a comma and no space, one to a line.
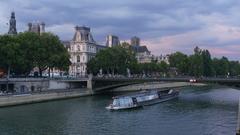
222,51
185,42
231,51
169,44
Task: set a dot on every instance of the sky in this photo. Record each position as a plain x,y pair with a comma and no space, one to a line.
164,26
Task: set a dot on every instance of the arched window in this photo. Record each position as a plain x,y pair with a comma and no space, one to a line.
78,58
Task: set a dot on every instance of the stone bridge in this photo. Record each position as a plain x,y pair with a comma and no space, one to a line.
96,84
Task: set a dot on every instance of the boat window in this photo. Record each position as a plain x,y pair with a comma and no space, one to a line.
116,102
123,102
147,97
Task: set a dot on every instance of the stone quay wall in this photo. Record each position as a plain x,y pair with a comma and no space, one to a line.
13,100
26,85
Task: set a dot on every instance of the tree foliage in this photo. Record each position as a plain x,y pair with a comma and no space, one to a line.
201,64
112,60
21,53
118,59
180,61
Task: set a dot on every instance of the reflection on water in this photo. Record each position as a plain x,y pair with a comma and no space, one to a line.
195,112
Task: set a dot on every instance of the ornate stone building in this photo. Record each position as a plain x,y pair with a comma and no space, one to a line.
12,25
82,48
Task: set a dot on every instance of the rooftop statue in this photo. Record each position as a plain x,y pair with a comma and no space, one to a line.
12,25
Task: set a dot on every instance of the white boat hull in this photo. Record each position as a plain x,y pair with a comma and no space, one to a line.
121,108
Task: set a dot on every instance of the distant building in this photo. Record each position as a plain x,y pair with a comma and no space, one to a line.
143,55
112,40
36,27
140,49
81,48
12,25
146,57
135,41
161,58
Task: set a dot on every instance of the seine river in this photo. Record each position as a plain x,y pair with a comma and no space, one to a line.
208,111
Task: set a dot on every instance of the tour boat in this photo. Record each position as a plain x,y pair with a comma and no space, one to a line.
142,98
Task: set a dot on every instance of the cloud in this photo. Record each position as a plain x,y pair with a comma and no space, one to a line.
165,26
220,40
65,31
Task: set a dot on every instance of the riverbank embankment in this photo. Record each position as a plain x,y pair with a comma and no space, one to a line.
20,99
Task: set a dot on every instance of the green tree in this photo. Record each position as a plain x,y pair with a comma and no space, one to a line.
180,61
234,68
57,56
113,60
224,66
93,67
21,53
163,67
207,63
196,65
9,53
126,45
29,43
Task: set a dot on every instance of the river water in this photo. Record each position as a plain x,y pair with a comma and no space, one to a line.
197,111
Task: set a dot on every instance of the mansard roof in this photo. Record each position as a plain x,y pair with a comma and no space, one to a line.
83,34
139,49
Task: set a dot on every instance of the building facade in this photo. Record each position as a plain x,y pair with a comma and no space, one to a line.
164,58
143,55
112,40
82,48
